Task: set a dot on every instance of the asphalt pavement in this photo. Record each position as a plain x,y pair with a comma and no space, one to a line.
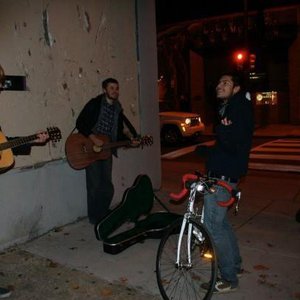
69,263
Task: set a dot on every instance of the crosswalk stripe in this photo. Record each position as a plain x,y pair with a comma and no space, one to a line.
277,155
275,149
274,167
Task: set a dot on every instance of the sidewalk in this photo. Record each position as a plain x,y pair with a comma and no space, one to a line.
69,263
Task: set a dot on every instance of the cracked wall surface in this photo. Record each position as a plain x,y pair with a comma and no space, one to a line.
65,49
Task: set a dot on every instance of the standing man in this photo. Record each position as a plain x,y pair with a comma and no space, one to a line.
103,115
42,137
228,161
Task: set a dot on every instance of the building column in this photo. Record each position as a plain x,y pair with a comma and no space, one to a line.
294,78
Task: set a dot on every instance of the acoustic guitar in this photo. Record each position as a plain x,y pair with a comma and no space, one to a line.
6,154
81,151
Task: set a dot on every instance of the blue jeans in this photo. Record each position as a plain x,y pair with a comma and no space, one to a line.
216,221
100,189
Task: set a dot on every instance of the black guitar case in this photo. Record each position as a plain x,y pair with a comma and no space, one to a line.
134,209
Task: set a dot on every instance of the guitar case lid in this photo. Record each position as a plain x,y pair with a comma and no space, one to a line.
134,211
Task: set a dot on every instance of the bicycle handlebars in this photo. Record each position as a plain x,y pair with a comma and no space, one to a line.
184,191
193,177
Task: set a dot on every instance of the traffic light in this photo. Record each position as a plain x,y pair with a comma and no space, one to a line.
252,60
240,57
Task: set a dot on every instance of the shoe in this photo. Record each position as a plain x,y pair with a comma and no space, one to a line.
240,273
221,286
4,293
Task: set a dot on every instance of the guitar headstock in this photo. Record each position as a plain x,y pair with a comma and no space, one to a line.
54,134
146,140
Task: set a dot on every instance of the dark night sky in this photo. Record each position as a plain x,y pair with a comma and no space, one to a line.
172,11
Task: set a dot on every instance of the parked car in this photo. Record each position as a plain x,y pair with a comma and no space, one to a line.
176,126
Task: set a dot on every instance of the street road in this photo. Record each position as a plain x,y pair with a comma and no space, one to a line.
267,153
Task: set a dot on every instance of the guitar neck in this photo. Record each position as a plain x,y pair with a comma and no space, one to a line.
17,142
117,144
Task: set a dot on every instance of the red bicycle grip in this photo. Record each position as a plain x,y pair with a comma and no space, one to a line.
179,196
229,189
184,191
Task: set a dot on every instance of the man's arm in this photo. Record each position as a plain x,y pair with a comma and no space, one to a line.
88,116
42,138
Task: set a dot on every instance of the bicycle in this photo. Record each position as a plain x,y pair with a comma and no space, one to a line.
186,256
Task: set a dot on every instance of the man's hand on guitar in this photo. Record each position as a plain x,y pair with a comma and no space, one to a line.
134,143
42,137
96,140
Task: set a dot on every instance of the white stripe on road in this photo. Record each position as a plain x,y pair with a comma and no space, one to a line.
275,156
272,149
183,151
274,167
285,146
261,148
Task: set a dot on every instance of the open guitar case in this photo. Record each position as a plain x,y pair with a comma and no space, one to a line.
134,210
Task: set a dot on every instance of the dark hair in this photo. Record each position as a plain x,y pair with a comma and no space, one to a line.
107,81
237,78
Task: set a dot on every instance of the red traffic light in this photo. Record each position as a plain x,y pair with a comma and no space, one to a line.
240,56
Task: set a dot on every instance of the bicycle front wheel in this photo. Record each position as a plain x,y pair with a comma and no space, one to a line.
184,276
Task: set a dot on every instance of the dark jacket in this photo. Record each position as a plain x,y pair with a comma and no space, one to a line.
230,154
89,115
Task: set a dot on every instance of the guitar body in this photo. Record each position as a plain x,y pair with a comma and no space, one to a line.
81,152
6,156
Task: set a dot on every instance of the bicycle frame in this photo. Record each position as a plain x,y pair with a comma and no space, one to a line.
189,214
195,187
186,258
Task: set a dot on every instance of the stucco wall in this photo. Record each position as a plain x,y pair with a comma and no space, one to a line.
65,49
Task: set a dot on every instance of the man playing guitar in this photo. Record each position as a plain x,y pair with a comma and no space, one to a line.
41,138
103,115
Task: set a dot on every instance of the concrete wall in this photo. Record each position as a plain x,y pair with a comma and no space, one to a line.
294,78
65,49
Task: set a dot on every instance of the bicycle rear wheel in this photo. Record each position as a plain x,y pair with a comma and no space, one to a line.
183,280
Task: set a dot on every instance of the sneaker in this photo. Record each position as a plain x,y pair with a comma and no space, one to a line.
4,293
240,273
221,286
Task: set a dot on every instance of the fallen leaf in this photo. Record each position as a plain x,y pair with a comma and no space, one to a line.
106,292
260,267
123,279
52,264
75,287
58,229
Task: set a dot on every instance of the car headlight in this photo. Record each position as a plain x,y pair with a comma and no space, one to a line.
188,121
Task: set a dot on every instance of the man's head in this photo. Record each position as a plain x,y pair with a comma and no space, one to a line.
229,84
2,78
110,88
